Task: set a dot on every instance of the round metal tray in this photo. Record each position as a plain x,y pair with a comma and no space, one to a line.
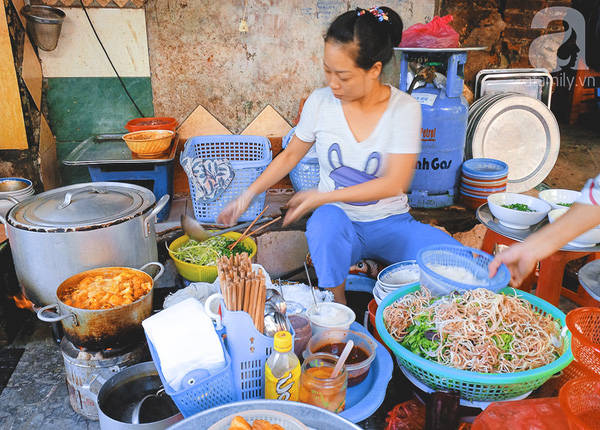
311,416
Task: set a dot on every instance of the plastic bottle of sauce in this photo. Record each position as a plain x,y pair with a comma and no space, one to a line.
282,369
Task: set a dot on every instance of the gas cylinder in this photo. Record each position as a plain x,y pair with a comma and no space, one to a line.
443,129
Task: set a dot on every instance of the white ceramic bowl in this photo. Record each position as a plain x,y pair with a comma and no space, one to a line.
587,239
555,196
513,218
330,315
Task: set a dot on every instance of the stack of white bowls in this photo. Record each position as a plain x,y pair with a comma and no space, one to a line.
13,188
404,274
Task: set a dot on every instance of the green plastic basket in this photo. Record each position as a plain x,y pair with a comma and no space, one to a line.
475,386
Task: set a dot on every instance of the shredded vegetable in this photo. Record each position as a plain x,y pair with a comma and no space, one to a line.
568,205
207,253
477,330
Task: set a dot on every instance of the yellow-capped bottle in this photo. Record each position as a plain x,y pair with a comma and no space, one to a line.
282,369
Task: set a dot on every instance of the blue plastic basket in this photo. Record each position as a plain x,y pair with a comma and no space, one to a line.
475,386
473,260
202,389
306,174
249,156
249,351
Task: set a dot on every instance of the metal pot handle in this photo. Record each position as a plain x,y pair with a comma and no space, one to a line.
154,263
151,216
12,199
69,196
93,387
58,317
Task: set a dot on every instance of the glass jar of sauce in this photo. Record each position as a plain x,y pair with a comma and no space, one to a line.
318,388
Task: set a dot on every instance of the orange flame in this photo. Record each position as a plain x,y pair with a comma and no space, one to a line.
22,302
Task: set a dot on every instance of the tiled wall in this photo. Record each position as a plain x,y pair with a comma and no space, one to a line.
84,95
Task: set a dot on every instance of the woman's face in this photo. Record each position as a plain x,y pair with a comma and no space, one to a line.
347,81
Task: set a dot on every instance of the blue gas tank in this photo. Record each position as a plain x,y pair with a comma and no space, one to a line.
443,130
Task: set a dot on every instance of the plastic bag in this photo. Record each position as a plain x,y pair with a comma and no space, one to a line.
435,34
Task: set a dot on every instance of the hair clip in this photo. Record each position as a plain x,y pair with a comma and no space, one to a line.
376,12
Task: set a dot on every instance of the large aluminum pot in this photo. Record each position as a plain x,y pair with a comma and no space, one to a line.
118,400
61,232
101,328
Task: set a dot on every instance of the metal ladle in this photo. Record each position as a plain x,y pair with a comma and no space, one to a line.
312,290
135,415
194,229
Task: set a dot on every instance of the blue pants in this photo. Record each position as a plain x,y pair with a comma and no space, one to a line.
336,243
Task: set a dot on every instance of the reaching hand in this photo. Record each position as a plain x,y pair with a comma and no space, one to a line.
519,259
302,203
231,213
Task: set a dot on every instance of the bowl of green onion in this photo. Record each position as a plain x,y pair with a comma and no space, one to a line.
517,211
559,199
197,261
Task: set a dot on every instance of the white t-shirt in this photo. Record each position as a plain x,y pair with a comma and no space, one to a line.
344,162
590,194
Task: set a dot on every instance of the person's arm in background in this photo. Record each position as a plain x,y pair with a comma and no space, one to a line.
275,171
395,180
521,258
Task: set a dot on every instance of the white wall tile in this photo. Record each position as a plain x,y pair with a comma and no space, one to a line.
78,54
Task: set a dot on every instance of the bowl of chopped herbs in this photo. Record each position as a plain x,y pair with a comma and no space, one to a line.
559,198
517,211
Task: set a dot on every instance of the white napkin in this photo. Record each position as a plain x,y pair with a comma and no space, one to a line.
184,339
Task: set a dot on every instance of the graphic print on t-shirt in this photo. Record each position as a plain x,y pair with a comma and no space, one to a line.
345,176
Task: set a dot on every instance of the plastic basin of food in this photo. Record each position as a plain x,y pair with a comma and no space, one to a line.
330,315
513,218
587,239
152,123
556,196
149,143
357,372
196,272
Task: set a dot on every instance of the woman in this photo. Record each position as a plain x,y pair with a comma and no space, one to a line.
521,258
367,138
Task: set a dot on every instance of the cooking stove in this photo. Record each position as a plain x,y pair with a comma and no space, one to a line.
87,370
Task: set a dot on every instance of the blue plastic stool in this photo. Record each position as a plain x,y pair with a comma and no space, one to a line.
161,175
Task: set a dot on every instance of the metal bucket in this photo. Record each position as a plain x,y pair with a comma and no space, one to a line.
43,25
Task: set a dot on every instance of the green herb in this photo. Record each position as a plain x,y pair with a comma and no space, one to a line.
565,204
422,338
504,341
519,207
207,253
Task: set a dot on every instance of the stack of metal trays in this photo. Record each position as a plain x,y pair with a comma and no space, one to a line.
516,129
536,83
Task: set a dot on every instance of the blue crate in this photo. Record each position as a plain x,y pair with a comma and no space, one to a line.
161,176
202,389
249,156
306,174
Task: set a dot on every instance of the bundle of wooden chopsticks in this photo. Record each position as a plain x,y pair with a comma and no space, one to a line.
245,234
242,288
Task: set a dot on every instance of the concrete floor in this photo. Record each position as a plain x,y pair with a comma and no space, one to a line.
36,395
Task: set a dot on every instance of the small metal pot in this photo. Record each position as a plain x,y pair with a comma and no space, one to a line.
119,396
102,328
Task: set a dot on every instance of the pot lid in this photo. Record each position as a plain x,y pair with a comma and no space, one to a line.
81,207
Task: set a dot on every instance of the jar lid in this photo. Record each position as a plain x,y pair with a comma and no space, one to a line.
81,207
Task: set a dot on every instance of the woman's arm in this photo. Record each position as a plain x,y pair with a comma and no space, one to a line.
522,257
395,180
275,171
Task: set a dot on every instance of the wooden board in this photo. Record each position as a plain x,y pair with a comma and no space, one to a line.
32,73
18,4
268,123
12,132
48,159
199,123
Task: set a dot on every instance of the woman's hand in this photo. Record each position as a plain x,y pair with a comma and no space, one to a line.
302,203
519,259
234,210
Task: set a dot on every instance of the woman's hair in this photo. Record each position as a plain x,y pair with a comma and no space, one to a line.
376,32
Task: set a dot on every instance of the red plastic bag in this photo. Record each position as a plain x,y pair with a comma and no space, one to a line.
435,34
